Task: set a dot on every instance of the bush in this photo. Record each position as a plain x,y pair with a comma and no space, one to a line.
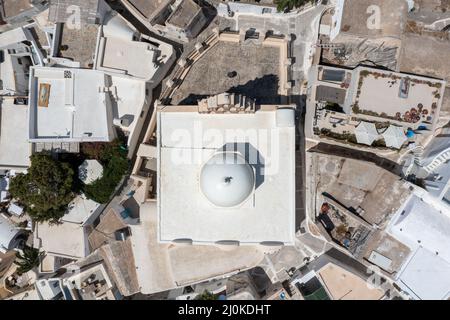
206,295
28,260
93,150
287,5
115,164
380,143
364,73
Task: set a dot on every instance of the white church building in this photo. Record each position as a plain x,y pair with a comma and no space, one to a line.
226,172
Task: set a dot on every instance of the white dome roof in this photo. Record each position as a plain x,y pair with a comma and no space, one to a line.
227,179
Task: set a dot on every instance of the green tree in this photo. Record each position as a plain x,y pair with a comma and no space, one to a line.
46,189
206,295
287,5
27,260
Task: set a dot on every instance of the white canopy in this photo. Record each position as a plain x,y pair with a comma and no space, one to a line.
366,133
89,171
394,137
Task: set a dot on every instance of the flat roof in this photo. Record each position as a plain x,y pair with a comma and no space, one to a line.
426,230
330,94
69,105
16,7
110,222
344,285
135,58
367,176
185,213
31,294
397,94
12,37
162,267
421,224
91,291
426,276
80,209
149,8
425,54
184,13
119,51
66,239
392,251
15,150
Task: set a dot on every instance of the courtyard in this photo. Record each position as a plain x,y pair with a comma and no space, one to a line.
248,68
399,97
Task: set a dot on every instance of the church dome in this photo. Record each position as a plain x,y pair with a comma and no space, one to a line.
227,179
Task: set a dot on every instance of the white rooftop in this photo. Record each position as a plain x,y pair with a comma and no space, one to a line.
66,239
69,105
366,133
426,231
163,266
11,37
15,150
81,209
211,208
426,276
130,97
48,288
394,137
121,50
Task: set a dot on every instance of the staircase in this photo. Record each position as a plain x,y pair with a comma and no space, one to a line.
440,159
417,154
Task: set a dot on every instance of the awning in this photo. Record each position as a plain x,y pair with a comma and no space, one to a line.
394,137
366,133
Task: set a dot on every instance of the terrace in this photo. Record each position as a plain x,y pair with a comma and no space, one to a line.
79,44
393,96
91,284
231,67
345,99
